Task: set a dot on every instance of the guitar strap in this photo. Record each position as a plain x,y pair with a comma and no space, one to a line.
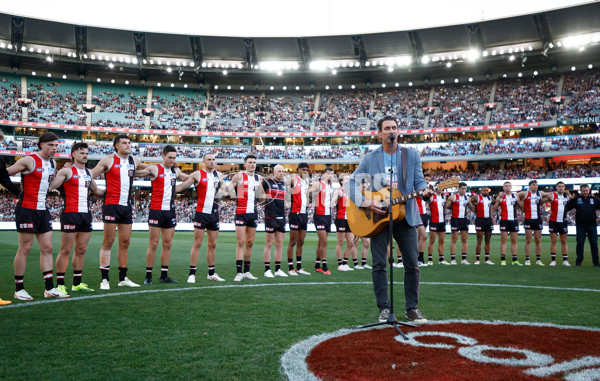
404,164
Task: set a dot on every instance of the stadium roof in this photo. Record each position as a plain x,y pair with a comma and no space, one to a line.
549,39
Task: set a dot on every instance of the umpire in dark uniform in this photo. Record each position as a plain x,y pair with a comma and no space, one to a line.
585,206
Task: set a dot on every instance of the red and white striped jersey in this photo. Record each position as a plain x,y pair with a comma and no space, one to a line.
422,205
207,190
436,204
557,207
508,207
483,206
36,183
246,194
341,206
459,206
323,207
163,189
77,191
533,205
119,180
299,196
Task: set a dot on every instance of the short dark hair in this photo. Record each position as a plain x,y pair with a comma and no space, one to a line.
506,182
328,169
426,175
303,165
118,139
79,145
557,184
46,137
168,148
461,184
207,153
249,157
584,186
532,182
385,118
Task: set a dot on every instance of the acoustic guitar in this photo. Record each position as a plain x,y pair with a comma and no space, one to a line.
365,223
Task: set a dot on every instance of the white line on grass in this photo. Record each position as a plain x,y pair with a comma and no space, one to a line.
86,297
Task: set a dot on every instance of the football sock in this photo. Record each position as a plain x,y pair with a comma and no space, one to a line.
246,266
565,257
238,265
193,270
317,263
211,270
290,264
452,257
503,257
298,262
514,258
487,256
464,256
553,256
277,266
60,279
48,280
344,261
477,255
421,259
164,272
324,262
19,282
355,262
148,272
77,277
364,261
340,262
122,273
267,266
104,271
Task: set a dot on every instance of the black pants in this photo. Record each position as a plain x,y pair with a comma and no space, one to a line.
591,233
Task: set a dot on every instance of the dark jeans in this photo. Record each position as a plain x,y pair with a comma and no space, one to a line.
406,238
591,233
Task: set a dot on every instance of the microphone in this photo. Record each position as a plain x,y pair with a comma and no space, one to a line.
392,137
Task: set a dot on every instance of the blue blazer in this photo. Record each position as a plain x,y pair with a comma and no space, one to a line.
372,169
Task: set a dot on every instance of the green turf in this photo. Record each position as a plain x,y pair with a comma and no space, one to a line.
222,331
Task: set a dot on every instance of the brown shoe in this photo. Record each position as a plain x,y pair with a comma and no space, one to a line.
415,316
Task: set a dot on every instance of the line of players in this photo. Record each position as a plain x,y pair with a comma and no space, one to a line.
39,176
529,201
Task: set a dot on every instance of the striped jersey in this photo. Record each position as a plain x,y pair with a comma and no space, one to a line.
77,191
483,206
119,181
341,206
508,207
557,207
533,205
246,194
163,189
422,205
36,183
207,189
323,207
299,196
459,206
436,204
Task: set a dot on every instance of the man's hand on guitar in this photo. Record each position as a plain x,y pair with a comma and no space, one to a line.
373,206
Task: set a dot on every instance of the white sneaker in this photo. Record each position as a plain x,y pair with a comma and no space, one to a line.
342,268
527,263
453,262
301,271
539,263
238,277
553,263
398,265
429,263
248,275
191,279
464,262
127,283
269,274
215,277
55,293
104,285
358,267
476,262
23,295
280,273
445,262
422,264
566,264
367,267
348,268
293,273
488,262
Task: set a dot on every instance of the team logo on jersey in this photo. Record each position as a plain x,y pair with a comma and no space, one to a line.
162,175
76,177
461,350
204,179
117,165
39,169
28,225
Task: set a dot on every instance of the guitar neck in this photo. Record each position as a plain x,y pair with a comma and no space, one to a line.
405,197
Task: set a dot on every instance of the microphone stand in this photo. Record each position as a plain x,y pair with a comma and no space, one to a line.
391,318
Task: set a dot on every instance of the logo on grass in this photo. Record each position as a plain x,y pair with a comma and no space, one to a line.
453,350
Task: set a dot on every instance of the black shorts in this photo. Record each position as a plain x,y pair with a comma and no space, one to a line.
322,222
558,227
33,220
459,224
164,219
509,226
206,221
437,227
535,224
425,220
483,224
273,225
298,221
247,219
117,214
341,225
72,222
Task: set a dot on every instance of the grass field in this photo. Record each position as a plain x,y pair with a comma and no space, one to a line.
237,331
